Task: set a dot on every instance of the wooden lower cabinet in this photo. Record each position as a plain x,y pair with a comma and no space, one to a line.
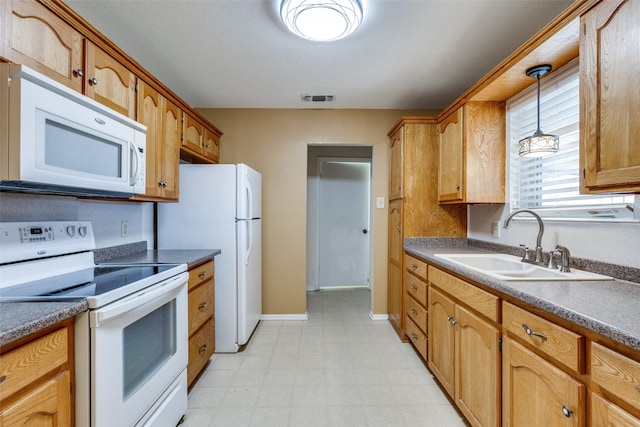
606,414
36,380
464,355
201,319
536,393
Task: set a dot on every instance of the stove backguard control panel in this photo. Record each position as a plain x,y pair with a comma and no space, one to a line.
21,241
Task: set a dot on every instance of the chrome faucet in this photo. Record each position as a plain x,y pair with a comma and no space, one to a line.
565,258
538,259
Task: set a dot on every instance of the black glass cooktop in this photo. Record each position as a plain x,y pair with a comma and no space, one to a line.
75,286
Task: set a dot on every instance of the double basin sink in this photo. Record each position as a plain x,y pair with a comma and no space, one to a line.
511,268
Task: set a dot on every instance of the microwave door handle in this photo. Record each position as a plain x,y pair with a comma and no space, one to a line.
135,164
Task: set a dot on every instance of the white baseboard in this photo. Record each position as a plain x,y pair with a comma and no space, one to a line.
304,316
373,316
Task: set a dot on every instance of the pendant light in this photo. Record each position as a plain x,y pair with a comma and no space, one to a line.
539,144
321,20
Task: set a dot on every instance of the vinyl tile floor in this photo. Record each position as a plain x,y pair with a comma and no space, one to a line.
339,368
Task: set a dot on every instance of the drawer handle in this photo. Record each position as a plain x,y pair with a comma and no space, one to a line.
3,378
566,411
202,275
533,333
414,336
203,349
414,267
637,387
414,287
202,306
414,312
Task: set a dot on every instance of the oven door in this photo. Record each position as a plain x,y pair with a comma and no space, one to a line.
139,346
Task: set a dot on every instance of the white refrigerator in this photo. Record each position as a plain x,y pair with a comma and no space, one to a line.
220,208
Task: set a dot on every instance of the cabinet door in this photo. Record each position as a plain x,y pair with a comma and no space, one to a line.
47,405
396,165
109,82
477,358
171,132
394,283
609,97
441,335
41,40
192,134
149,105
211,145
536,393
606,414
451,167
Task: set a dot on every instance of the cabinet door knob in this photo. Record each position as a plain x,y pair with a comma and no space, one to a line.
203,349
202,306
533,333
2,378
414,267
93,81
414,312
414,336
457,187
78,72
566,411
414,287
202,275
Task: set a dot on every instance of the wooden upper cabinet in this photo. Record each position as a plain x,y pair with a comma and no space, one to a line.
472,154
149,114
609,97
396,165
109,82
170,149
211,145
39,39
193,133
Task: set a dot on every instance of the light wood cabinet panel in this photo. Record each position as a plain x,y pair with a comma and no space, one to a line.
610,97
416,289
201,306
396,165
536,393
417,337
416,266
441,348
472,154
201,348
109,82
211,145
477,380
163,121
43,41
193,132
417,313
394,274
47,405
555,341
616,373
606,414
200,274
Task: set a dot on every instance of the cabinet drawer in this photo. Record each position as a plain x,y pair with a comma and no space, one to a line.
26,364
481,301
200,273
201,305
201,348
417,337
417,289
417,267
417,313
605,414
616,373
557,342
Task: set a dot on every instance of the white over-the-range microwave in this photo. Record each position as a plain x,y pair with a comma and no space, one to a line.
54,140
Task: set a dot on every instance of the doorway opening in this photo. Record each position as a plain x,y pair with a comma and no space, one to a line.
339,238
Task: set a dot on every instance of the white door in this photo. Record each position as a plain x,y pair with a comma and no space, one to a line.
343,219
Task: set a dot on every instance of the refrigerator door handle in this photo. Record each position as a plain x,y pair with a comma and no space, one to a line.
249,201
249,242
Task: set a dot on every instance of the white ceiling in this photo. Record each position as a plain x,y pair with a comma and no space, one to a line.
413,54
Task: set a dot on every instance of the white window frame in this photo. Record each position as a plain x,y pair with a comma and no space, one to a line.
572,206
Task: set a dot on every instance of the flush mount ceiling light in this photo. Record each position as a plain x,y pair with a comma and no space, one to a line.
539,144
321,20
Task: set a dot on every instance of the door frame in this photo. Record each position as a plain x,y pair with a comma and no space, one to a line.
320,160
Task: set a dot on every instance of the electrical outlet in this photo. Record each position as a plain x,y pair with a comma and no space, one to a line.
380,202
495,228
124,228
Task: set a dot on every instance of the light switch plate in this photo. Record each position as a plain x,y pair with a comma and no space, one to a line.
495,228
380,202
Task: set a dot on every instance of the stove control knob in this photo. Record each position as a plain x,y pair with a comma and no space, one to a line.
82,231
71,230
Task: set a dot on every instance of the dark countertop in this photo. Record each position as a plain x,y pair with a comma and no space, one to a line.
167,256
18,320
609,308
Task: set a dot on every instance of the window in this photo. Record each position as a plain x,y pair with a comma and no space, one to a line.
550,184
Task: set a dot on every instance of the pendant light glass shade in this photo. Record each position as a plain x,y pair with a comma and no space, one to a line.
539,144
321,20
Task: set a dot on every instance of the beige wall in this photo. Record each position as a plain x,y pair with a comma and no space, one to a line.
274,141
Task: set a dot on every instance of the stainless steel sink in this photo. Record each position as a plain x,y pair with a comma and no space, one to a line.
510,268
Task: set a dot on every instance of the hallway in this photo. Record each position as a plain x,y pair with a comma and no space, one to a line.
339,368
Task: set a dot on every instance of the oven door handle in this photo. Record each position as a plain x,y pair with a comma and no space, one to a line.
146,296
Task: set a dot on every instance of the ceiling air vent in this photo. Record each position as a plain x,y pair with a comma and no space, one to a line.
316,98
